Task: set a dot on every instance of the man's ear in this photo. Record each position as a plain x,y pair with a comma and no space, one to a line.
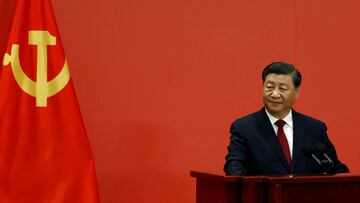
298,92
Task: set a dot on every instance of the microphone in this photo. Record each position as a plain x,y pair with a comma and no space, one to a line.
308,151
322,150
320,154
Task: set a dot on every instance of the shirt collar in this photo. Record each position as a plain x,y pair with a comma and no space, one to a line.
288,118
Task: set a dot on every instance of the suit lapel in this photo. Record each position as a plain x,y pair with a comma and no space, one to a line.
267,132
299,135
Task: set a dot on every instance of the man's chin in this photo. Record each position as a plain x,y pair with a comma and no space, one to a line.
274,110
275,107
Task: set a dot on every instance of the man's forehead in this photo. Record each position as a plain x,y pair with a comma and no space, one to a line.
281,79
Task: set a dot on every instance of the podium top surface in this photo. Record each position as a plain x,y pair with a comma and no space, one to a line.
286,179
223,178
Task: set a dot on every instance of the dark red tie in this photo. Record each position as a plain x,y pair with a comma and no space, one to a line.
283,141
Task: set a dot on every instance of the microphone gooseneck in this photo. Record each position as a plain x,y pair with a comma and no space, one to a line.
320,154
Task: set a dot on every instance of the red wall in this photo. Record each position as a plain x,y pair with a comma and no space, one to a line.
160,81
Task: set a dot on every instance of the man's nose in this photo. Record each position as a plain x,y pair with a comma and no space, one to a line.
275,93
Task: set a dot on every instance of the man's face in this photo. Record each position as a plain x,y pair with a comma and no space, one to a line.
279,94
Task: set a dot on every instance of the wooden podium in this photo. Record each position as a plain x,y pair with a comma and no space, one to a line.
217,188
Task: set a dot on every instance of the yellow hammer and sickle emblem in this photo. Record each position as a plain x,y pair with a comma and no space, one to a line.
42,88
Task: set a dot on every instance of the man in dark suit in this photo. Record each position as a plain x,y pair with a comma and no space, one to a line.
271,141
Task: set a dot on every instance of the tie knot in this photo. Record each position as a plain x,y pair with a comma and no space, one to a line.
280,123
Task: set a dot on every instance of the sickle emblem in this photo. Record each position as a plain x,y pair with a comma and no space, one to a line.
42,88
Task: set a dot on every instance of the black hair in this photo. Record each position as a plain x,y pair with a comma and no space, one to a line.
285,69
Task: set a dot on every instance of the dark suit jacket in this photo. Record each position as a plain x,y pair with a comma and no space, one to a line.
255,150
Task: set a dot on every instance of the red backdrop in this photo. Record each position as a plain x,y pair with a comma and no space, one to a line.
160,81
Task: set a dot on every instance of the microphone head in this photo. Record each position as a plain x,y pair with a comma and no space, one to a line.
307,150
320,147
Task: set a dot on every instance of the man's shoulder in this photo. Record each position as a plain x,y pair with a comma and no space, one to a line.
260,115
250,118
307,118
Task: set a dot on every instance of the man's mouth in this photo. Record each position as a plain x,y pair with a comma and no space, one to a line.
275,102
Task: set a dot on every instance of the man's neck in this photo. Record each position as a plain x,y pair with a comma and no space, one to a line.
278,115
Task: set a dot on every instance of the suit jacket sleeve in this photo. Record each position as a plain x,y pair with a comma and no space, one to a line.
237,157
338,166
